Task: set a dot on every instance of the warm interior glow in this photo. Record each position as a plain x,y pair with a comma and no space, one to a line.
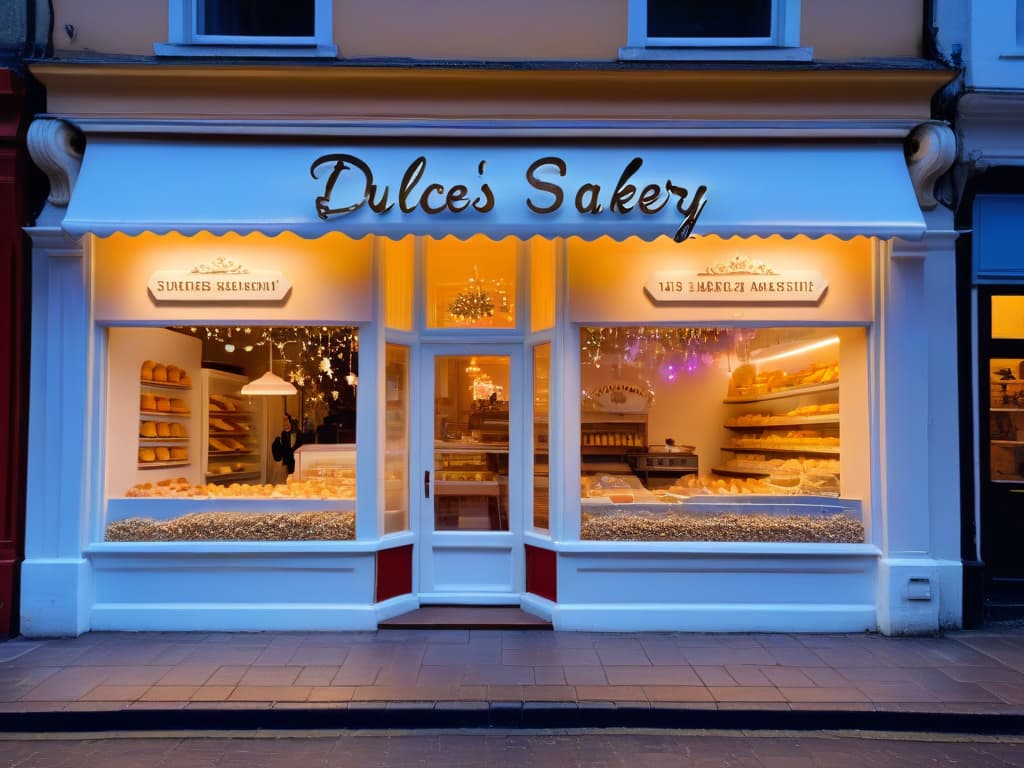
798,350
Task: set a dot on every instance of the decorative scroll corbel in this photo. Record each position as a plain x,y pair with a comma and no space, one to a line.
930,152
55,146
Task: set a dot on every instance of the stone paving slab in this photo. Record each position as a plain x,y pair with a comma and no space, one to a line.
515,677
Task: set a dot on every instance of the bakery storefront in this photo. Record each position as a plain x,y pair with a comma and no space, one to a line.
685,385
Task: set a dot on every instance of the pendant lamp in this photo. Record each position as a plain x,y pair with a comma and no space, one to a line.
269,383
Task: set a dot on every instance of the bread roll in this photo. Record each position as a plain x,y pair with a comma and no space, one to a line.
147,429
163,429
147,402
159,372
147,370
162,453
147,454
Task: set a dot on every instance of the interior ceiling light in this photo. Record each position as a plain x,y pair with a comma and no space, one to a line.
269,383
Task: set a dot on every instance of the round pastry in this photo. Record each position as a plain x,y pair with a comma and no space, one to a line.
179,454
147,429
162,453
159,372
147,402
147,454
177,430
163,404
147,370
163,429
173,374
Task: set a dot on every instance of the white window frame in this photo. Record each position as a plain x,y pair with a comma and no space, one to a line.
783,44
184,40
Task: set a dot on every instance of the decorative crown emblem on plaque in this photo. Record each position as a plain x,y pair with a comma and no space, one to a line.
220,266
739,265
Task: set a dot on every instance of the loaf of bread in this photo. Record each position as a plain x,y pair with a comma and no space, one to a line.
177,405
178,453
159,372
173,374
162,453
184,380
147,429
147,454
147,402
147,370
178,430
163,404
163,429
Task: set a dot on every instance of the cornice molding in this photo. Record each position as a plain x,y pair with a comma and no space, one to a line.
989,125
573,93
52,146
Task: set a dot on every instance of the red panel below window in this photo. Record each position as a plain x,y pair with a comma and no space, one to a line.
394,572
542,572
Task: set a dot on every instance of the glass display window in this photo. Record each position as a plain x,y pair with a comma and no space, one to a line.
197,415
714,434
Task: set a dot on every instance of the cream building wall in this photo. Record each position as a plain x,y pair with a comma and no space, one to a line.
492,30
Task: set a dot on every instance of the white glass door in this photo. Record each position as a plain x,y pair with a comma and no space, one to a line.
472,474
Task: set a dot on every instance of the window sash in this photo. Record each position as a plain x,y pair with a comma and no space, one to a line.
785,30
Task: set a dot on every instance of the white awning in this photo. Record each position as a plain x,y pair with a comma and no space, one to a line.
811,188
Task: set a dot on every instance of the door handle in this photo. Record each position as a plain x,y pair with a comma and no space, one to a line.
426,484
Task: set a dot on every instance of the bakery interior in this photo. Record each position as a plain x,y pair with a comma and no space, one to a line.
197,430
702,433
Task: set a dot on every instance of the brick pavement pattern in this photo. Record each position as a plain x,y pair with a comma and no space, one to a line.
979,671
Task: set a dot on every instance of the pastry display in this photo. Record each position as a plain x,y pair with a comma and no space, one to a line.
163,453
173,374
164,373
178,430
178,453
316,488
745,382
177,405
238,526
223,403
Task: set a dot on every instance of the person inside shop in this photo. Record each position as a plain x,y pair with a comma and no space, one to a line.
284,445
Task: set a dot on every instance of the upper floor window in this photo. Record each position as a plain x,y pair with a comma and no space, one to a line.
723,30
249,28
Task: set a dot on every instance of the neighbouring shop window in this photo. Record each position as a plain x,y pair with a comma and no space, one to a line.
396,438
204,443
541,430
470,283
713,434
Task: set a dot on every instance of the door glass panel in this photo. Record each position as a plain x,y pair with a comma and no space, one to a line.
471,449
541,417
396,426
1006,419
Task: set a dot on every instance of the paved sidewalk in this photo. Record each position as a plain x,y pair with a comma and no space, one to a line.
969,680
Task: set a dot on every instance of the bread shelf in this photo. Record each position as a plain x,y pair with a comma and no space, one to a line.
1007,443
162,464
164,385
162,440
786,421
782,393
175,414
820,451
